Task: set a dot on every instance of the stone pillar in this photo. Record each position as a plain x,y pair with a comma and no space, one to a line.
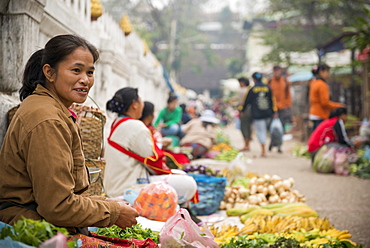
19,33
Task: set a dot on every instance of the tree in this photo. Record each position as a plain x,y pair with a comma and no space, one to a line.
361,28
173,30
303,25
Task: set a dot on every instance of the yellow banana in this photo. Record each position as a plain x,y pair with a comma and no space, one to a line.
344,236
320,241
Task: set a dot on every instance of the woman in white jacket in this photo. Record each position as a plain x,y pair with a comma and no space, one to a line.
200,133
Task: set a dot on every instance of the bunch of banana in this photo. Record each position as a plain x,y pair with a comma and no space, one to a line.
340,235
281,224
224,233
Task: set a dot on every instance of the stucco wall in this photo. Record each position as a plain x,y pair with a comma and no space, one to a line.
26,25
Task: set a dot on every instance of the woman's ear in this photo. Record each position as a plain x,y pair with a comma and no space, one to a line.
49,73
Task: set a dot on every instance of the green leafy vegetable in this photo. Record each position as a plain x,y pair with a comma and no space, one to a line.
135,232
242,242
31,232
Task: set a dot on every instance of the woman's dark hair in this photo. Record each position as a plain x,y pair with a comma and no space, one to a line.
172,97
206,124
183,107
122,100
338,112
244,80
55,51
147,110
257,76
320,67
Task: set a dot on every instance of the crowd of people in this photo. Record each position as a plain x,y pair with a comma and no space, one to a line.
265,104
42,170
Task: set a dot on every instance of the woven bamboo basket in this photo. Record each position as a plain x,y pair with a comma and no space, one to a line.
91,121
97,187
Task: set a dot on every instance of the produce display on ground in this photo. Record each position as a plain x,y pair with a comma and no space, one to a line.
361,166
260,191
32,232
304,231
135,232
227,155
271,212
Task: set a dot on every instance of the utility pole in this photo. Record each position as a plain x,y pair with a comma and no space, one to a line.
172,47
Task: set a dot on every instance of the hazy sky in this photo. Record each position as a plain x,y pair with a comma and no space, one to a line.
241,6
236,5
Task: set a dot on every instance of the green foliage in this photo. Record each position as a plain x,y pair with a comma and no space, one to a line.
361,28
303,25
234,66
301,151
135,232
242,242
31,232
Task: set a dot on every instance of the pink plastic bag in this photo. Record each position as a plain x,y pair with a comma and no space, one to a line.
181,231
58,241
341,163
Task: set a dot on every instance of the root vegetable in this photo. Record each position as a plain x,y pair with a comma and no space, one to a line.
284,195
264,203
265,191
260,181
262,197
253,189
286,184
253,200
278,185
267,177
260,188
274,199
292,181
281,190
275,179
243,192
253,181
271,190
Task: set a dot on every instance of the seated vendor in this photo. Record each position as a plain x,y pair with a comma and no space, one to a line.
147,118
200,134
331,131
133,158
42,166
169,118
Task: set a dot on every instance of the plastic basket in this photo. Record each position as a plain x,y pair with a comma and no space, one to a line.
91,122
211,192
97,187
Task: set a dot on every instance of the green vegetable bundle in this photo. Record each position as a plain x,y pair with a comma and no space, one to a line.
135,232
31,232
228,155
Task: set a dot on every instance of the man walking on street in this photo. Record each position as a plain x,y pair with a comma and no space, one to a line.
280,88
244,116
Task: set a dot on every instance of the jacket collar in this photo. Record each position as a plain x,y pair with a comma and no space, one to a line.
42,91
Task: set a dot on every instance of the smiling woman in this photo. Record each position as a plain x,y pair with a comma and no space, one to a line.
42,168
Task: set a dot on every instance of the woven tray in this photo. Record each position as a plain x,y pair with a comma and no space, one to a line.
91,121
96,188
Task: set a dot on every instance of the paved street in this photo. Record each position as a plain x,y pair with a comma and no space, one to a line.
344,200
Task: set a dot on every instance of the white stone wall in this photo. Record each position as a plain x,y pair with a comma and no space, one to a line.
26,25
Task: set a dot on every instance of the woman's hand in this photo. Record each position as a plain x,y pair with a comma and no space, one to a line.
127,216
162,125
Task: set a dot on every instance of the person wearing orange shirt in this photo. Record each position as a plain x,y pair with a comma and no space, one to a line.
319,95
280,88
